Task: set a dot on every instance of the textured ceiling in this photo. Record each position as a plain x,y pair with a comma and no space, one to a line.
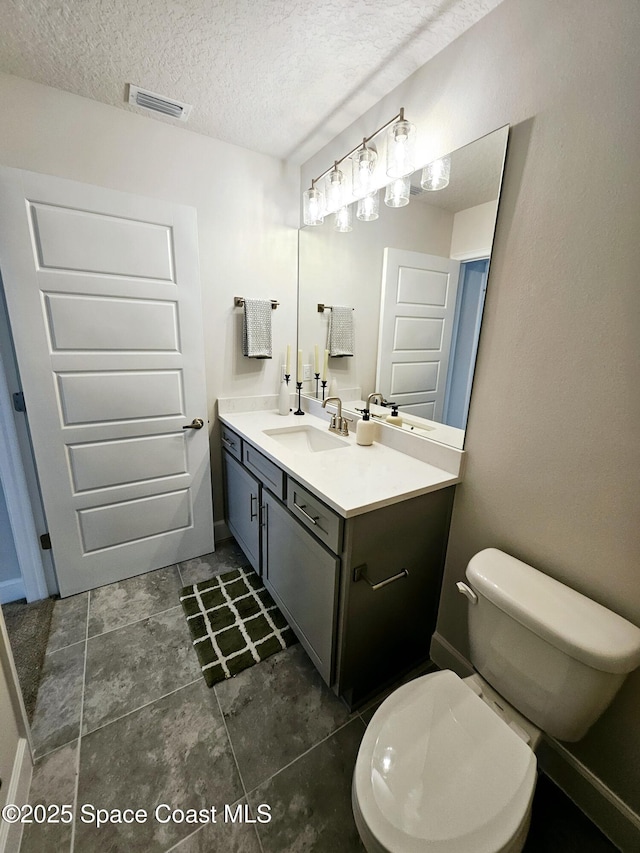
282,77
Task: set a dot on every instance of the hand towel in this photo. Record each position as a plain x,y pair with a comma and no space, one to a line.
256,328
340,335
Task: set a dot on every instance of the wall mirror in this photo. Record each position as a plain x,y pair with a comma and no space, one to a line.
415,278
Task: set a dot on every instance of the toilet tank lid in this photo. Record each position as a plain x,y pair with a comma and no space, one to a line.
568,620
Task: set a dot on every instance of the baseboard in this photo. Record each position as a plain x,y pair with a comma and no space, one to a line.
604,808
221,531
444,655
18,793
12,590
613,816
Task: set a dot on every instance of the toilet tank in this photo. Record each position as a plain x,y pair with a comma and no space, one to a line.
554,654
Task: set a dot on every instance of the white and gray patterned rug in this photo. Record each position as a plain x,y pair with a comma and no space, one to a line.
234,623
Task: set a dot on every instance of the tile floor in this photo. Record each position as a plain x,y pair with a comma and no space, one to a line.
125,720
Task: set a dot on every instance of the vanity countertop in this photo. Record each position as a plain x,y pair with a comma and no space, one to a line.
353,479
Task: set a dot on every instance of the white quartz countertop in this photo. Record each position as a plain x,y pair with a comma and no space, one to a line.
352,479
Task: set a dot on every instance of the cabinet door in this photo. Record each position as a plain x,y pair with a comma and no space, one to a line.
302,577
243,508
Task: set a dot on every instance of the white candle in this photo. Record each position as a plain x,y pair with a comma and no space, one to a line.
325,366
287,368
316,360
299,377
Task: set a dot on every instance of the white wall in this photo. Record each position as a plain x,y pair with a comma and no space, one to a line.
552,438
9,567
472,233
246,205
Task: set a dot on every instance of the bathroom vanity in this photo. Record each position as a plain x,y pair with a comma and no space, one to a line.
350,542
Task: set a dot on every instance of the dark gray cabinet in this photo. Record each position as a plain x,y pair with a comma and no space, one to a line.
360,593
243,508
302,577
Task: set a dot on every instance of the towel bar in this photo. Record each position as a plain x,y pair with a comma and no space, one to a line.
238,302
322,308
359,573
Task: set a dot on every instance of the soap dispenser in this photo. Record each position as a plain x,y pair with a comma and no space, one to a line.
394,418
365,429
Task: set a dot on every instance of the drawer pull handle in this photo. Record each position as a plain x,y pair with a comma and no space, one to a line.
306,514
252,514
359,573
228,442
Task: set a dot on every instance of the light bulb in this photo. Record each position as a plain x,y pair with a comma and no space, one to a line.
397,192
343,220
313,206
335,182
435,175
368,207
400,144
364,162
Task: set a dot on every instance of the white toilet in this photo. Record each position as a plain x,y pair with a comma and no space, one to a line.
446,765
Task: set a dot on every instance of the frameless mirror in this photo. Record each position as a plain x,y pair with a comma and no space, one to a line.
416,279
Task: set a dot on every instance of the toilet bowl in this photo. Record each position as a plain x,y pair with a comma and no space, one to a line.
448,765
439,771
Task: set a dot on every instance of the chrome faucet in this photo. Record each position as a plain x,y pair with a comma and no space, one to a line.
338,424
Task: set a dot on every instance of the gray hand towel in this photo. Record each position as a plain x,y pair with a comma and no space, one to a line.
256,328
340,335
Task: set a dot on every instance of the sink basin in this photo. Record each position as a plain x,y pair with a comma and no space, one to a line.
306,439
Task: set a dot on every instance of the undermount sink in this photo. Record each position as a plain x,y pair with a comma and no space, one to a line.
306,439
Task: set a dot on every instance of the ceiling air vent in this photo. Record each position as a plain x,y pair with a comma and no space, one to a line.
158,103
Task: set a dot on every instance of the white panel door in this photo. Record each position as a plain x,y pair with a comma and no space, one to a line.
103,295
417,310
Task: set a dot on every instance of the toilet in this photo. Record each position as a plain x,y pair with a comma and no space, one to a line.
447,765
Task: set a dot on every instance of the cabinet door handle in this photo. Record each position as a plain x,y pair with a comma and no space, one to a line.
306,514
228,442
263,513
252,514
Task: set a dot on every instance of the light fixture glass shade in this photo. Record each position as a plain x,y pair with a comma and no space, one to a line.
313,206
364,163
435,175
335,187
397,192
368,207
343,220
401,140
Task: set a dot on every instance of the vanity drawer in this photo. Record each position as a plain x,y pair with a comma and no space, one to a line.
231,442
315,515
266,470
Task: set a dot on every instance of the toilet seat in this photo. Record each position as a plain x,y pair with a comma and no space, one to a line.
439,771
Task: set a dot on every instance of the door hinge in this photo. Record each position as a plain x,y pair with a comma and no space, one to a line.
18,402
45,542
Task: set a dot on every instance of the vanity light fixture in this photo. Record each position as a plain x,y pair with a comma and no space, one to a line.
435,175
400,144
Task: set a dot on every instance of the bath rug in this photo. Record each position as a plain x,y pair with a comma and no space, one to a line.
234,623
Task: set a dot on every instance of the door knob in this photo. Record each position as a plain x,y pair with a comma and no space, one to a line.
196,423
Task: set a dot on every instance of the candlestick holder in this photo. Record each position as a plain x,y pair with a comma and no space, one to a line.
287,377
324,386
317,375
299,410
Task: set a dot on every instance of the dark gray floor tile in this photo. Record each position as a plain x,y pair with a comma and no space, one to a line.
275,711
56,720
135,665
311,799
136,598
227,556
68,622
174,751
223,836
53,783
